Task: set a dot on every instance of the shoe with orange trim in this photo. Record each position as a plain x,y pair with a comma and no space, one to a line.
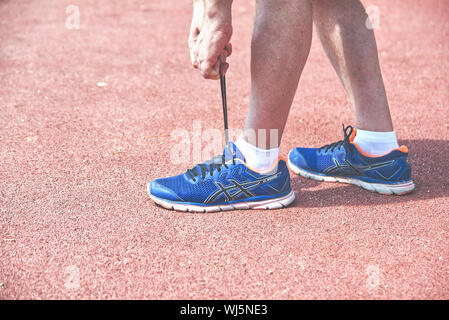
224,183
343,161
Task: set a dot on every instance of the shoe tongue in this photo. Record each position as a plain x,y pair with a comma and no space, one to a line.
231,151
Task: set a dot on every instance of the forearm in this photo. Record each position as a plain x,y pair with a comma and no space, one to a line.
210,35
218,9
214,9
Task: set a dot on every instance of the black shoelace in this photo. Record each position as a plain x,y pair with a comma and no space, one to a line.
345,143
209,166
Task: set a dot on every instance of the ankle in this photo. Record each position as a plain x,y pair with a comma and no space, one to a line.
376,143
256,158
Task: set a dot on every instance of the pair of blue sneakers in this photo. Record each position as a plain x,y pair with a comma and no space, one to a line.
227,183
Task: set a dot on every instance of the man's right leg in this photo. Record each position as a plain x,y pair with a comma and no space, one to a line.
351,48
368,157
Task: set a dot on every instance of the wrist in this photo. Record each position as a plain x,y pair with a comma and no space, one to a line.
219,10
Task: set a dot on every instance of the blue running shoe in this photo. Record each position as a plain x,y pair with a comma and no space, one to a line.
343,161
224,183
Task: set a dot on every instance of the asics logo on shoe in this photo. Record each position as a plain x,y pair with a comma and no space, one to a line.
231,192
358,168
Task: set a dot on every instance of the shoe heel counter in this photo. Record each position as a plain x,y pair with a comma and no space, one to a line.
286,176
406,172
398,170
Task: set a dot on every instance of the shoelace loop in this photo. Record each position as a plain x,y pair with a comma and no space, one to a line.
209,166
345,143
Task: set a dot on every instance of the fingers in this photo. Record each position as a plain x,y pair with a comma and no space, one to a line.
215,72
193,59
228,49
208,71
193,41
224,67
209,68
208,49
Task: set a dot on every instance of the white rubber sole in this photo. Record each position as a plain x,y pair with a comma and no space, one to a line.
387,189
276,203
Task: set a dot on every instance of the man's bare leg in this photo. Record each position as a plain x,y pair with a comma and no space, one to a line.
351,48
279,50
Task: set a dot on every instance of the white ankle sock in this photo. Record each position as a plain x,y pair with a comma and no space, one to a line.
256,158
376,143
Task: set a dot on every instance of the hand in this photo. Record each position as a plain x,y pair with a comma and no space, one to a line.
210,33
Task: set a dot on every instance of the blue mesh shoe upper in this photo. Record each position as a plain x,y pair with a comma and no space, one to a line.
224,179
343,158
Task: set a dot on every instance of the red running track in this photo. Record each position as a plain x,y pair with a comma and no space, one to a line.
75,158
